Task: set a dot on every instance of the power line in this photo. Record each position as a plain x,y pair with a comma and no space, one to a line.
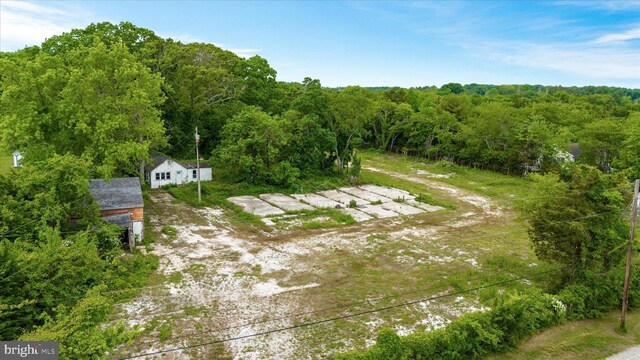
466,238
296,315
342,317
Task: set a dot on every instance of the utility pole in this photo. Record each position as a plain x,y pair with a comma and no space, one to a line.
198,165
627,274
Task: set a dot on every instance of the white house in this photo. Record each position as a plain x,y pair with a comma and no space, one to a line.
165,171
17,156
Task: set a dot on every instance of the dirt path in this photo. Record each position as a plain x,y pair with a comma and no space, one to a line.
218,283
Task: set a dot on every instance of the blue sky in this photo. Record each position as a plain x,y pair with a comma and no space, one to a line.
398,43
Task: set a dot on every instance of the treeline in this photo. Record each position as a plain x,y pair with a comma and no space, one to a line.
112,93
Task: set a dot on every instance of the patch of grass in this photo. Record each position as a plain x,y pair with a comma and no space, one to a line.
256,271
500,187
316,219
431,196
165,332
196,310
502,262
152,325
398,200
175,278
335,214
585,339
197,271
377,202
170,231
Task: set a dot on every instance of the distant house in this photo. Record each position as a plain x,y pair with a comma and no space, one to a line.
165,171
17,156
120,202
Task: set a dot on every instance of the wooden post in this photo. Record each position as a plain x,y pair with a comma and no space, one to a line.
198,165
627,274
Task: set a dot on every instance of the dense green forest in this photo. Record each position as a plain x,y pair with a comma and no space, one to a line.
111,93
96,102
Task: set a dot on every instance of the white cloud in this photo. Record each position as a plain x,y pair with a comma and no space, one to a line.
605,62
546,41
619,37
608,5
189,38
25,23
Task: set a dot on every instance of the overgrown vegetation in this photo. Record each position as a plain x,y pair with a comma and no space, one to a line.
515,317
95,102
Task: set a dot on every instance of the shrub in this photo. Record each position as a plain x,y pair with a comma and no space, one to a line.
472,335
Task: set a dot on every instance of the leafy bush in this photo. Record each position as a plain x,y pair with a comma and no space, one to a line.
472,335
78,330
599,293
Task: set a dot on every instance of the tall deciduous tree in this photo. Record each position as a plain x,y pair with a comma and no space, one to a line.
348,112
97,102
253,149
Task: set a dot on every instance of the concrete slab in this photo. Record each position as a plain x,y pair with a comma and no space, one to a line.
253,205
357,215
342,197
377,211
364,194
423,206
285,202
318,201
388,192
401,208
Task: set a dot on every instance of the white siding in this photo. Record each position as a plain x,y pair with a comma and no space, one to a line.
178,174
171,167
205,175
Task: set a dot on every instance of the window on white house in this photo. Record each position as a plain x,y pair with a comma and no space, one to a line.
162,176
168,176
157,176
195,174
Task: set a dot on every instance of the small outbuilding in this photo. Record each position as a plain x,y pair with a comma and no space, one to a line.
17,156
120,201
165,171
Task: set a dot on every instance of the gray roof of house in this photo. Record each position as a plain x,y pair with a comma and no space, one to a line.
192,164
118,193
156,160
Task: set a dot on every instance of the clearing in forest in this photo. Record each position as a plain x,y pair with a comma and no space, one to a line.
218,281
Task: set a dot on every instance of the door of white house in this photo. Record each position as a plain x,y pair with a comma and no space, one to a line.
179,177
